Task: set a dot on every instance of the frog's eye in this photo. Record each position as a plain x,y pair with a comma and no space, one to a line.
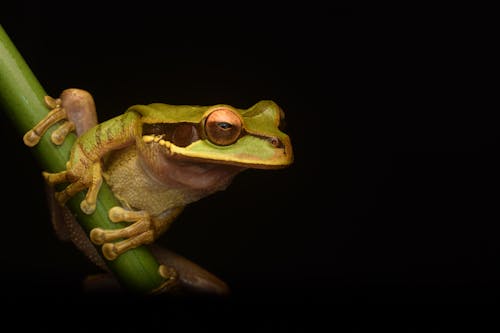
223,127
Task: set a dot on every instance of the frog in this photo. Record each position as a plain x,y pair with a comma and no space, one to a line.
157,159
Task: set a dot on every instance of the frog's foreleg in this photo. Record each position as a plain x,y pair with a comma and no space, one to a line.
84,168
144,230
92,181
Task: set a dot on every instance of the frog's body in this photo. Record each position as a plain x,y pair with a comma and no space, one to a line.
157,159
129,181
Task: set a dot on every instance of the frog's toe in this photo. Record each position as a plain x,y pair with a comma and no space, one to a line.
69,192
52,102
88,204
167,272
98,236
171,281
88,207
117,214
109,251
31,138
112,250
56,178
59,135
120,214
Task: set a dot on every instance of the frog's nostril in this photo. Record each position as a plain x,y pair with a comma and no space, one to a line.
275,142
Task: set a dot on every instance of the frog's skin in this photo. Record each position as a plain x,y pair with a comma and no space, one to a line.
157,159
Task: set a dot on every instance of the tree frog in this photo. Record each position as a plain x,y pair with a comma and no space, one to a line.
156,158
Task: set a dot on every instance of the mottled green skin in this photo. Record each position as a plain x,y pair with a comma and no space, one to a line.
109,135
260,123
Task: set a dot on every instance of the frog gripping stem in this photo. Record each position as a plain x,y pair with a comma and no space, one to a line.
92,182
88,204
136,234
74,111
56,114
23,100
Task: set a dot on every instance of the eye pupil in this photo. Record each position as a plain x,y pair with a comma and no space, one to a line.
224,125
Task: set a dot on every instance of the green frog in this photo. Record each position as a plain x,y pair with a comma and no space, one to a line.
156,159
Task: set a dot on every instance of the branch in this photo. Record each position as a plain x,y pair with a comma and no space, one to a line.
21,98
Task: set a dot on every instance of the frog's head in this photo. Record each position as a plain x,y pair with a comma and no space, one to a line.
209,136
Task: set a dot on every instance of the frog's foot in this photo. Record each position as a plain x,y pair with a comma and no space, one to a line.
93,182
56,114
75,110
171,277
192,278
140,232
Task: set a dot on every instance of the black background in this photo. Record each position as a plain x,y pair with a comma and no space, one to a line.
392,197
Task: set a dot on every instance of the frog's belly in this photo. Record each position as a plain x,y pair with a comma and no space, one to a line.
137,190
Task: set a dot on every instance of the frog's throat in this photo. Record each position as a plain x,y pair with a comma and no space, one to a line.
175,171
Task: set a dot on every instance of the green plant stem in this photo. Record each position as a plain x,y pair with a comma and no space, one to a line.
21,98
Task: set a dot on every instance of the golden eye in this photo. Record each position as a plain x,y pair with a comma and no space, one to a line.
223,127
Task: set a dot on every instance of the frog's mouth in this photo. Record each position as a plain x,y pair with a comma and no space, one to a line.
179,171
188,142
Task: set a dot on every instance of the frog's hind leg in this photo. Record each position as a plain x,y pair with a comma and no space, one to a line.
74,110
191,278
80,109
67,228
182,277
